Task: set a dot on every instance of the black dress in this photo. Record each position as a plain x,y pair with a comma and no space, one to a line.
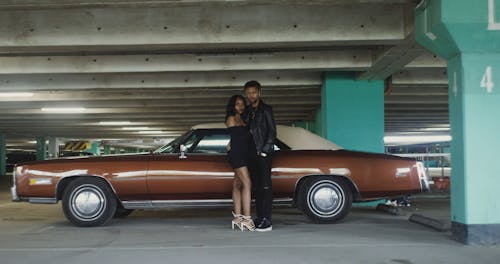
238,155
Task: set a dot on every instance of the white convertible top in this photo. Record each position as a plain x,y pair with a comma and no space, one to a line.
296,138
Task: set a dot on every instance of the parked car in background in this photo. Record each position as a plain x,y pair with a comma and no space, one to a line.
72,153
308,171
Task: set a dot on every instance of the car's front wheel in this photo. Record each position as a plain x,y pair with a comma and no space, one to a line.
88,201
324,199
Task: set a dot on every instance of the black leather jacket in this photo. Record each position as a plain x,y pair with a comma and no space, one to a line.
262,127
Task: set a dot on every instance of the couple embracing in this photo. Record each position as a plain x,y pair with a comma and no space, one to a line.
253,132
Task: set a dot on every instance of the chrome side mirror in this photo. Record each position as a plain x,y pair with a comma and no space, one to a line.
183,152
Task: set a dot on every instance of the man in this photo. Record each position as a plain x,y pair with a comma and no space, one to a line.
260,119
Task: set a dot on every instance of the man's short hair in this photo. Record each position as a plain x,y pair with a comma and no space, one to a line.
255,84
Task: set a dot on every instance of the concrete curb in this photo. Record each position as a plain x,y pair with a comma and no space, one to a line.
429,222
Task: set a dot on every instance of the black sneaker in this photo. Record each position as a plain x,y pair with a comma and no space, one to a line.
257,221
264,226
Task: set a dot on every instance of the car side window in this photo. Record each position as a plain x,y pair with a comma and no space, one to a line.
212,144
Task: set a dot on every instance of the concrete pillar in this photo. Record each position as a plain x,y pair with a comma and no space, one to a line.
95,148
318,129
467,34
307,125
352,112
3,156
40,148
53,147
107,150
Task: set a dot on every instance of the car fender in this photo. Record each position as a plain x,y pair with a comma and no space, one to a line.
64,181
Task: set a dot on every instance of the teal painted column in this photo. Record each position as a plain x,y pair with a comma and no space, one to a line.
95,148
307,125
107,150
40,148
319,123
352,115
3,156
352,112
467,35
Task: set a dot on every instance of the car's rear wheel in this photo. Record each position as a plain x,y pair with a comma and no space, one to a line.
324,199
88,201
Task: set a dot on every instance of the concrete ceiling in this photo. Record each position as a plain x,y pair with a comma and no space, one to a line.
168,65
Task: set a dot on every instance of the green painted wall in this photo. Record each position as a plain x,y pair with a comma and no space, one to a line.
353,112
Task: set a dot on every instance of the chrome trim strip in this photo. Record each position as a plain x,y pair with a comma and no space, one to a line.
190,203
42,200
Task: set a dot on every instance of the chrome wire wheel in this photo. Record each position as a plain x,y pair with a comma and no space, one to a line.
87,202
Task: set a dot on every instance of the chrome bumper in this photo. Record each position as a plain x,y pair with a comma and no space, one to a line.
424,179
13,193
13,189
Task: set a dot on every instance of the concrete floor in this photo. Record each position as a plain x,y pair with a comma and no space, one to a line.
40,234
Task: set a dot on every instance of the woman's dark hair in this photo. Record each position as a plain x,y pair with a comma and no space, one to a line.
231,104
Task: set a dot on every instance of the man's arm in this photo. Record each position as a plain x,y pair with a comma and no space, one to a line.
271,131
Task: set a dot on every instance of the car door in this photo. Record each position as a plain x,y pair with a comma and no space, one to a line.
204,172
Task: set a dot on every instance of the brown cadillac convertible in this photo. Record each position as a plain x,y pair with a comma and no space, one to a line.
308,171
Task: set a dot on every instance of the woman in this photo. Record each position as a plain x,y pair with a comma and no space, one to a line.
238,156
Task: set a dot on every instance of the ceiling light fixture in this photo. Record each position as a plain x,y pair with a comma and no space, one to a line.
64,110
114,123
151,132
15,94
135,128
416,139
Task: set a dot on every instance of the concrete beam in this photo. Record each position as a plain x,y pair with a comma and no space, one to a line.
427,60
352,60
197,27
288,93
219,103
227,79
421,77
393,59
56,4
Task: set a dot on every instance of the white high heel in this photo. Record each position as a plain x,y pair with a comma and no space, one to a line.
236,221
247,223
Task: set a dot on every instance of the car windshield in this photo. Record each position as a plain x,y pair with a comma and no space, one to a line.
173,146
207,141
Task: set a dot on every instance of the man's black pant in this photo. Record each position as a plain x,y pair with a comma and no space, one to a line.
260,173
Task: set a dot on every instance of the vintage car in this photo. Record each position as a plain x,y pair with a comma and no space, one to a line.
308,171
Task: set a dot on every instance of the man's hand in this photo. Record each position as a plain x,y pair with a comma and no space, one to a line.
228,146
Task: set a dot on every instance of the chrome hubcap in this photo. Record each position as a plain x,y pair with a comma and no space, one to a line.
87,202
326,198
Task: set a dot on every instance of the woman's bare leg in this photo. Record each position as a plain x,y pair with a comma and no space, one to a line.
246,189
236,194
